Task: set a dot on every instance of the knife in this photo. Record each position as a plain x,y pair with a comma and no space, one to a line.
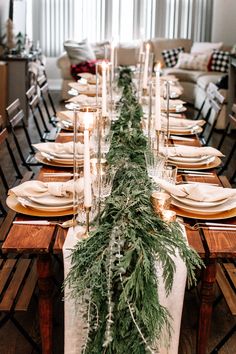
34,222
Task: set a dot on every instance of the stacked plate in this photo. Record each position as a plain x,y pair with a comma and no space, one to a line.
199,162
61,160
223,208
47,205
188,130
47,202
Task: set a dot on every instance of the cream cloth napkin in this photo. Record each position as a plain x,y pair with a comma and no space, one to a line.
60,148
75,331
91,79
181,122
198,191
38,188
66,115
189,151
89,89
174,104
83,99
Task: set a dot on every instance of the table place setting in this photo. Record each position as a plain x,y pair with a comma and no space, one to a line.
59,154
192,157
38,198
200,200
89,90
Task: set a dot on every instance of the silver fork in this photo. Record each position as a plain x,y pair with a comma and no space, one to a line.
211,226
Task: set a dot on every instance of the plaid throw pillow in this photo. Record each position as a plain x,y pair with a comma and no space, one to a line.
170,56
219,61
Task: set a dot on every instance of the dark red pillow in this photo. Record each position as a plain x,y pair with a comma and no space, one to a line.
84,67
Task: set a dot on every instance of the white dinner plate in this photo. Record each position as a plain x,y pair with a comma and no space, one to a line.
30,204
228,205
51,200
188,159
197,204
193,164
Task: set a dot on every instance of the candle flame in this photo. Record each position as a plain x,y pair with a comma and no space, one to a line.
158,66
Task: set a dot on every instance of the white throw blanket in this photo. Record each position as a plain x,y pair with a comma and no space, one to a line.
38,188
75,332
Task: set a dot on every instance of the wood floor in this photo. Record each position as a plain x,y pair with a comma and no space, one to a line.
11,342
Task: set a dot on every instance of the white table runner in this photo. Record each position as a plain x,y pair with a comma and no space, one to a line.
75,331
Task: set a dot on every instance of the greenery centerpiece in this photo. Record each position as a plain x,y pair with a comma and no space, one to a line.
114,269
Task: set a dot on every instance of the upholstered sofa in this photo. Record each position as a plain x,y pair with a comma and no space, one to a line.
194,82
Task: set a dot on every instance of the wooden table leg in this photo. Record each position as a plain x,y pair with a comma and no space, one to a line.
45,284
206,303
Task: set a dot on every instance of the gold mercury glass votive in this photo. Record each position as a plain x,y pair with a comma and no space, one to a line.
168,215
160,201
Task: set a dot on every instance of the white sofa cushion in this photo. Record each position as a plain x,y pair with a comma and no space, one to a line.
206,78
127,53
184,75
205,47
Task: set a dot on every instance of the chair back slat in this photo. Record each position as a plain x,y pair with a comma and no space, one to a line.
17,118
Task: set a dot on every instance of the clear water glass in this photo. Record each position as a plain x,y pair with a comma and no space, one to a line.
154,163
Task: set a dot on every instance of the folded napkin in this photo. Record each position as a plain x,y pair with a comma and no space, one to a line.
173,103
83,99
78,86
197,192
181,122
38,188
88,89
66,115
189,151
60,148
91,79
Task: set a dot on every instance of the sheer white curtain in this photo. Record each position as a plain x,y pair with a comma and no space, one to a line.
123,20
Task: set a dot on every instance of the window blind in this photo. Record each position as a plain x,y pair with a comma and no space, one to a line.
55,21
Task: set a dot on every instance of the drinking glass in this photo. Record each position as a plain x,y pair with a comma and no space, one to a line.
102,186
154,163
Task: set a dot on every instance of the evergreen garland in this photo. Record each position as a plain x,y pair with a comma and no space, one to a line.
114,269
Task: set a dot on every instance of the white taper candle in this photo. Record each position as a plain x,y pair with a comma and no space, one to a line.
145,71
158,100
104,89
87,174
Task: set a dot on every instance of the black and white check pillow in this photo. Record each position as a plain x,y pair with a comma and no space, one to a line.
219,61
170,56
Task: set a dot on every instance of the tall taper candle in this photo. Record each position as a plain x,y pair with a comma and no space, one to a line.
145,71
158,100
87,173
104,89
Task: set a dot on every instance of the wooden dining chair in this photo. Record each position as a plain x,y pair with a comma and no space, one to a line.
214,101
35,102
15,116
47,100
18,276
228,145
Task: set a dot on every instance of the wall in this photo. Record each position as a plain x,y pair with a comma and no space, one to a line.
224,21
4,10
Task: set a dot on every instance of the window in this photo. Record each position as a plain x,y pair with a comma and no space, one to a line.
123,20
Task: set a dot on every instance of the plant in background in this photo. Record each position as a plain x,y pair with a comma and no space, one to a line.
114,270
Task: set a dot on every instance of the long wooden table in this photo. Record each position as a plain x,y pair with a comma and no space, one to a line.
46,241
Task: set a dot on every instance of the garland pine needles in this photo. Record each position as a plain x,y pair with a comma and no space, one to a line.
116,264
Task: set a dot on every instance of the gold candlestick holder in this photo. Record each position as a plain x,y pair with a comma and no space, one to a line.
87,211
